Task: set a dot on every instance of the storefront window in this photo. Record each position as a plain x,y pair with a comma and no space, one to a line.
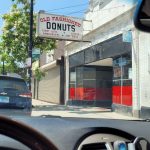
122,67
126,67
122,80
117,68
89,73
91,83
79,73
72,85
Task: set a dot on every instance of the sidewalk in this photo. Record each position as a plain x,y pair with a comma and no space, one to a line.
40,103
41,108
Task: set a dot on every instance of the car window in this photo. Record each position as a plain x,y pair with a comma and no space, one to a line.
13,84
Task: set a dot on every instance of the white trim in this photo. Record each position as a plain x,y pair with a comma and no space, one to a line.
48,66
67,80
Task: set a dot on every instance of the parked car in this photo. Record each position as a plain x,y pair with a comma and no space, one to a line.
14,93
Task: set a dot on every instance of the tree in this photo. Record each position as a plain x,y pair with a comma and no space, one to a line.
15,37
9,65
39,74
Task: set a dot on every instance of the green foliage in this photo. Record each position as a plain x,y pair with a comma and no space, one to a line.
15,38
39,74
4,57
9,63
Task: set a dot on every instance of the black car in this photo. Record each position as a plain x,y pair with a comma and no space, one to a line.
14,94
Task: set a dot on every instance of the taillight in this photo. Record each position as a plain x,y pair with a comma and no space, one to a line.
27,95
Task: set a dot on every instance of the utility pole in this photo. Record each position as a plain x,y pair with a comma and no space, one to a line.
30,43
3,67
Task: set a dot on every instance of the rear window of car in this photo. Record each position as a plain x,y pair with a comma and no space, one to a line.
13,83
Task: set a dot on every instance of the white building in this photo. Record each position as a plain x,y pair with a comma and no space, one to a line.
113,69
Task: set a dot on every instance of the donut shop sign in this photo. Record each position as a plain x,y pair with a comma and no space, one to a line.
59,27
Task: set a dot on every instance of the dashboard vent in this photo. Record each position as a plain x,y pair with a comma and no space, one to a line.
94,146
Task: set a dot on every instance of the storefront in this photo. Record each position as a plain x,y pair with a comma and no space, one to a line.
101,75
114,51
91,85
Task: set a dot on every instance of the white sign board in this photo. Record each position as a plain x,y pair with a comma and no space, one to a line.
59,27
36,52
28,62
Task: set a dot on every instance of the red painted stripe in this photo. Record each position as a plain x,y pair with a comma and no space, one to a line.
72,93
103,94
79,94
116,94
126,95
90,94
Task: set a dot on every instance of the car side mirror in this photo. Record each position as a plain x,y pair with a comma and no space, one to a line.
142,15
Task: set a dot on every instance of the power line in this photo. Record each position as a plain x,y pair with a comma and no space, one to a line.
72,6
83,10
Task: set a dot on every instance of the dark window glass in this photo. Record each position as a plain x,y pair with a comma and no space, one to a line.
104,75
89,83
122,71
127,67
89,73
79,73
72,84
104,83
18,85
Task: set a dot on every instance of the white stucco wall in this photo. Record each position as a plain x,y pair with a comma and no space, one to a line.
141,69
113,9
144,67
135,72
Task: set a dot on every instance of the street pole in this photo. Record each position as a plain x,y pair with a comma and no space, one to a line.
3,67
30,42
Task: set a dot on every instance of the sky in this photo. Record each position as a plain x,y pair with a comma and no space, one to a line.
77,7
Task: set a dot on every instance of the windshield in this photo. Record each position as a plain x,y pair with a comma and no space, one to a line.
18,85
85,59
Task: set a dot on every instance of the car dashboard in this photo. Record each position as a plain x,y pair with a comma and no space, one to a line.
84,134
